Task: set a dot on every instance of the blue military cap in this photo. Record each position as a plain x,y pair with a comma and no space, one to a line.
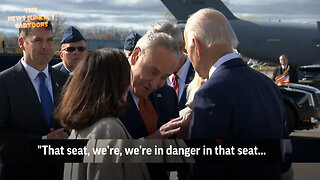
131,41
72,35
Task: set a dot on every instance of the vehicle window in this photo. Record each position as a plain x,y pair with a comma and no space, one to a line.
305,74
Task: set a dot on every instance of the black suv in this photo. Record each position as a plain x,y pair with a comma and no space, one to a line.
309,75
302,104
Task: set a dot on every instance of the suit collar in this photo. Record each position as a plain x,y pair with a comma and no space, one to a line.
24,83
64,69
222,60
23,76
183,71
56,84
190,74
32,72
132,98
229,64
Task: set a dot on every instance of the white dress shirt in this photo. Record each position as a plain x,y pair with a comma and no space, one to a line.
135,98
33,75
222,60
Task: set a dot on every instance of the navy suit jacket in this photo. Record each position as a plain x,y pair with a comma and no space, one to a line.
190,76
165,103
238,102
60,67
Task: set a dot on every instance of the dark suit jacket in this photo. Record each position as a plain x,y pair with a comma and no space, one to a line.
21,113
183,100
292,73
238,102
22,119
164,101
60,67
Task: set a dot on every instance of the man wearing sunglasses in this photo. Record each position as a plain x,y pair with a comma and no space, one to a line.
73,50
130,42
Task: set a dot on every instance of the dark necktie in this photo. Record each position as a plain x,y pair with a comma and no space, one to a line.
175,84
148,114
45,97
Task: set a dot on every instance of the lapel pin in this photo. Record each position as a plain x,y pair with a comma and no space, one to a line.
159,95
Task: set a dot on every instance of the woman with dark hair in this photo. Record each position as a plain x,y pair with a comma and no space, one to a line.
94,98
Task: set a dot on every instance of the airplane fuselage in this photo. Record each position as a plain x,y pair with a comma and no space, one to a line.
267,40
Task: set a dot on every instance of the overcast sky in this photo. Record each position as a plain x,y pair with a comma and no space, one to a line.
140,14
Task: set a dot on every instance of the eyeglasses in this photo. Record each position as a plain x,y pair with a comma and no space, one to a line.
71,49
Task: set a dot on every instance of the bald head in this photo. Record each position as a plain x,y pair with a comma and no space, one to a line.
208,36
211,27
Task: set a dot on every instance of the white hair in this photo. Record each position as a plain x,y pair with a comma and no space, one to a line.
169,28
211,27
150,41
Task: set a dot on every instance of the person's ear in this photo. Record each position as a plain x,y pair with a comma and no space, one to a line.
21,43
61,53
182,47
135,55
198,46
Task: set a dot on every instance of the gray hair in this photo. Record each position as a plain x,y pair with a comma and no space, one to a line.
169,28
211,27
150,41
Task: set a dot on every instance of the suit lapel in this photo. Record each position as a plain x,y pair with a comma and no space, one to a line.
63,69
57,84
24,83
56,87
189,78
133,120
190,74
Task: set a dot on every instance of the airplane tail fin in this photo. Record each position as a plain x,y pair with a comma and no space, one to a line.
181,9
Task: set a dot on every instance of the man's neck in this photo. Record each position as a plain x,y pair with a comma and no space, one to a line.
35,66
183,60
211,57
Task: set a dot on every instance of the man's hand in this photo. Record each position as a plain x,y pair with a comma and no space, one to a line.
170,128
57,134
184,131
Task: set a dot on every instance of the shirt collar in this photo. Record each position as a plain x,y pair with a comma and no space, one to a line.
182,73
66,67
222,60
284,66
32,72
135,98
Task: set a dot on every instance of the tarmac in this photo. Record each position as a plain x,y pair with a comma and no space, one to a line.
306,171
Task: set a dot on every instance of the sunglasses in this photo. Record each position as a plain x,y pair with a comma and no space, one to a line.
71,49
